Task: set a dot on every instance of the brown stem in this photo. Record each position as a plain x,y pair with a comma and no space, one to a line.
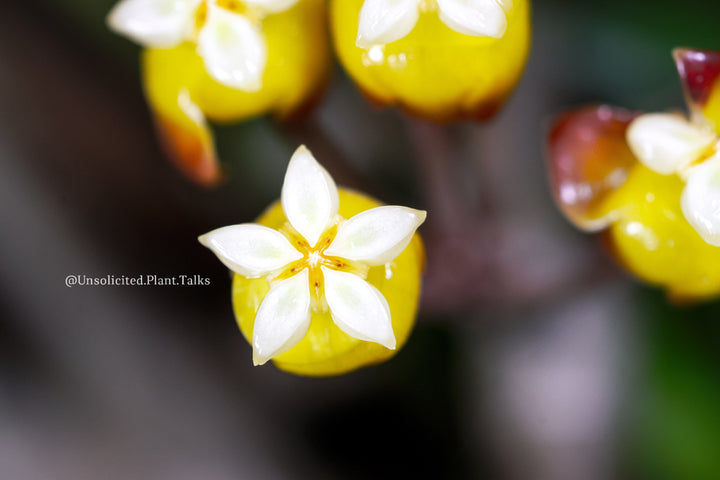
469,248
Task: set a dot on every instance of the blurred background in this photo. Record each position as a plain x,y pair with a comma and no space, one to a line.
537,359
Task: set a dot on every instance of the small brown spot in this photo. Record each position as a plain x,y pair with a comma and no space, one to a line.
317,284
232,5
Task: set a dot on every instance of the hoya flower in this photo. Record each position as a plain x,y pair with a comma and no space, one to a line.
652,179
223,60
439,59
327,281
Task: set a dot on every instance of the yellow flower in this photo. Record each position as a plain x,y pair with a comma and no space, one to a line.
225,61
326,281
653,180
439,59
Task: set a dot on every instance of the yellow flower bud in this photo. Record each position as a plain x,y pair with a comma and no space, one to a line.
234,61
651,180
434,64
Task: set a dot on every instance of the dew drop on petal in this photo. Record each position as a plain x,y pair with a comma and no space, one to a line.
374,55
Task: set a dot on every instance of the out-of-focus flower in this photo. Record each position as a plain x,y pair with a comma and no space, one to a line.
319,294
439,59
652,179
223,60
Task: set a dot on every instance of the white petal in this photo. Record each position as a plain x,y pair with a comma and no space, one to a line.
283,318
505,5
251,250
376,236
271,6
154,23
309,196
479,18
384,21
666,142
358,308
701,200
233,49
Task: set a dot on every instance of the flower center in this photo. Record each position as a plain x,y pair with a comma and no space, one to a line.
313,259
427,5
711,152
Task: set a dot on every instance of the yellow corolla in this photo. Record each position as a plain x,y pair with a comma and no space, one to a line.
224,61
652,180
439,59
327,280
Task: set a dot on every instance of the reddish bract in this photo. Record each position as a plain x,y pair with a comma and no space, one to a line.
588,159
699,70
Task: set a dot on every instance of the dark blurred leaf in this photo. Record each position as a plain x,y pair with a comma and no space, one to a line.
678,416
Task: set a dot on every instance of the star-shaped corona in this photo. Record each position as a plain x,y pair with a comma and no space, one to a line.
439,59
319,264
652,180
224,60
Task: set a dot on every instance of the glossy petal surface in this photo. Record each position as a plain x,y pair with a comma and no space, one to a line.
251,250
154,23
283,318
385,21
233,50
376,236
481,18
309,196
358,308
701,200
667,143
